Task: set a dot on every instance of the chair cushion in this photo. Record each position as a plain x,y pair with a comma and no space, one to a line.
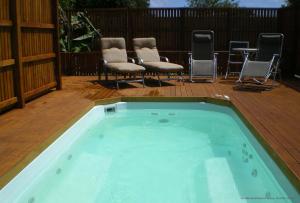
256,68
146,49
203,44
114,50
125,67
202,67
163,66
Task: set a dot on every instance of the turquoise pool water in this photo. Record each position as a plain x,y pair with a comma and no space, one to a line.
157,153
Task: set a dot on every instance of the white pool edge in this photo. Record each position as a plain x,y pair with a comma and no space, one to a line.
36,167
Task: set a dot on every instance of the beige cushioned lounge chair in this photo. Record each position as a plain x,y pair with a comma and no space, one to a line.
148,56
115,60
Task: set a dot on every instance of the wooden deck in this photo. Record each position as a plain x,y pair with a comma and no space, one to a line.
274,114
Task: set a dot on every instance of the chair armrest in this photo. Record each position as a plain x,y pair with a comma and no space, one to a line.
131,60
216,55
165,59
139,60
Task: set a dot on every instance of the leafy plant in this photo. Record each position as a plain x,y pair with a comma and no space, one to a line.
212,3
293,2
67,4
77,34
112,3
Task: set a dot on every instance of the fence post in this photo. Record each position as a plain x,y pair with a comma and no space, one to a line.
17,51
127,25
56,44
296,42
182,30
229,27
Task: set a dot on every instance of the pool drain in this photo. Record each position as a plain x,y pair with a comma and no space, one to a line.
58,171
154,114
245,152
163,120
31,200
254,173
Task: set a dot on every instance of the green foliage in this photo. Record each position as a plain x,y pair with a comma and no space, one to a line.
212,3
79,34
293,2
68,4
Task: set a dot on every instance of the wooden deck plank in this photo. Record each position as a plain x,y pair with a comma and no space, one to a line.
274,114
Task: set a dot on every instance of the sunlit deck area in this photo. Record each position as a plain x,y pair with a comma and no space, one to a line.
25,132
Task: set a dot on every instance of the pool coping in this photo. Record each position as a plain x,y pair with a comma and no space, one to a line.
6,178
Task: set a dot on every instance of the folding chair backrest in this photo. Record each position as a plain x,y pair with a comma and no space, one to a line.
145,48
202,44
114,50
237,44
269,44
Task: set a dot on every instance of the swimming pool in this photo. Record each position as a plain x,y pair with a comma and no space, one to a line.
153,153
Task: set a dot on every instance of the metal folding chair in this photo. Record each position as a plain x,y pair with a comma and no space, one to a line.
203,60
234,58
266,61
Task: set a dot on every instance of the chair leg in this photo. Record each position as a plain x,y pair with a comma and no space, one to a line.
213,79
278,72
181,78
159,81
280,75
99,76
143,79
227,71
117,82
106,74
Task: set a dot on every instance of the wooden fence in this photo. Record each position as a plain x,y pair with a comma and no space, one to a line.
289,25
29,50
172,28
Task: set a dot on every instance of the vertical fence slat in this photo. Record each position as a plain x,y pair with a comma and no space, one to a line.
17,51
56,44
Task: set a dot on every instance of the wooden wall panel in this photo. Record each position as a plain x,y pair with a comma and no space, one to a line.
37,42
6,84
5,43
36,11
4,10
7,88
29,59
38,75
